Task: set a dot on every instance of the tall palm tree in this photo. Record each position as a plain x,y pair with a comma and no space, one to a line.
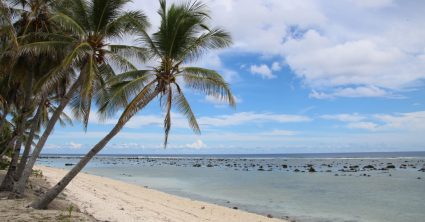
182,37
89,27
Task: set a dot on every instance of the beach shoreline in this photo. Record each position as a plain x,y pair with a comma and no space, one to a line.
112,200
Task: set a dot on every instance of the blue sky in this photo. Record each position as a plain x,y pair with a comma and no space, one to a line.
308,76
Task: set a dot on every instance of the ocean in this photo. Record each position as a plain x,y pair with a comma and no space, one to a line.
335,187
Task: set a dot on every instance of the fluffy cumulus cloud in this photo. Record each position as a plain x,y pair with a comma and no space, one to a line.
262,70
339,48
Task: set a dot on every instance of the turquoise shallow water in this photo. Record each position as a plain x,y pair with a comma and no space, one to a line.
341,189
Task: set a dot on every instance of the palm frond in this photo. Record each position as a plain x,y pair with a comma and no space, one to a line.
130,52
208,82
123,87
213,39
67,23
183,107
130,22
146,95
119,62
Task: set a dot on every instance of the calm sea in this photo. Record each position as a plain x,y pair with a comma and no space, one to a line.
304,187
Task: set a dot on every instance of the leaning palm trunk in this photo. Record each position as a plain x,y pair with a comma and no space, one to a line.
20,185
28,143
45,200
51,194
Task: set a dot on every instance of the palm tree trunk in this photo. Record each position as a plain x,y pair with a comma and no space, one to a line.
24,114
9,145
51,194
20,185
8,180
29,141
3,117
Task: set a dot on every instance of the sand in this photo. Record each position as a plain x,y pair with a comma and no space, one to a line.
59,210
111,200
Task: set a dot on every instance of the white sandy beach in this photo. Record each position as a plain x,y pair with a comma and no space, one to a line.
112,200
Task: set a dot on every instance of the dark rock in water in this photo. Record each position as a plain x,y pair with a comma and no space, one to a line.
390,167
418,178
369,167
269,216
197,165
235,208
336,175
260,169
422,170
284,166
311,170
69,164
209,165
296,170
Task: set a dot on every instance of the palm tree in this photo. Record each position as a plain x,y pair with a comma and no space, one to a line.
41,117
182,37
22,68
89,27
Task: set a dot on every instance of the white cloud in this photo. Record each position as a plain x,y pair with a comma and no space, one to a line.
250,117
198,144
262,70
413,121
348,48
179,121
279,133
76,146
276,66
373,3
344,117
363,125
407,122
387,131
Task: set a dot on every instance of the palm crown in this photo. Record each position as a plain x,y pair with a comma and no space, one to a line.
182,37
89,30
